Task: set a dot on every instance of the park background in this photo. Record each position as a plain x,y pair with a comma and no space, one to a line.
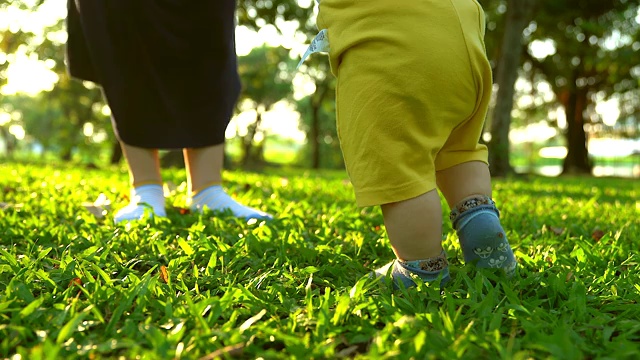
566,94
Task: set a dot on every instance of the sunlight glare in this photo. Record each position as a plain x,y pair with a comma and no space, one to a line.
538,132
305,3
613,147
553,152
47,14
270,36
609,111
4,118
87,129
17,131
282,120
541,49
302,86
28,75
246,40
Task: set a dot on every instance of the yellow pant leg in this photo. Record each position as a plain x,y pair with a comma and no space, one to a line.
411,94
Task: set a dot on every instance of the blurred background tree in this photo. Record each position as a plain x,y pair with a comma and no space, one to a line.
583,52
596,57
266,74
317,107
518,16
566,75
69,118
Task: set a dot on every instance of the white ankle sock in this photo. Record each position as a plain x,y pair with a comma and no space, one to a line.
215,198
143,197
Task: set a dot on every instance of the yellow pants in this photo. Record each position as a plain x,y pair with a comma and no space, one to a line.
414,85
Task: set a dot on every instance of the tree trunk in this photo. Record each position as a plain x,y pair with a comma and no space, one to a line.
116,153
518,16
78,122
314,132
66,154
248,155
9,141
577,159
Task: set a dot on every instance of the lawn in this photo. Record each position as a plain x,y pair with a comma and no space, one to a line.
204,286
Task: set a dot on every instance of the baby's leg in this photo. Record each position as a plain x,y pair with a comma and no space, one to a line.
467,188
403,88
461,181
146,184
414,228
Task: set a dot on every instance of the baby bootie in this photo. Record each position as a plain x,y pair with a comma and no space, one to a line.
482,238
428,270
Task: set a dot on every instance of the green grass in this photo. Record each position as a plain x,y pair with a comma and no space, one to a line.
72,285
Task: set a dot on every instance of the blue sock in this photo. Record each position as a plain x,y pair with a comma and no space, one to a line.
482,238
428,270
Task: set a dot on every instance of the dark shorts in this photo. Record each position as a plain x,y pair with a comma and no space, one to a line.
168,68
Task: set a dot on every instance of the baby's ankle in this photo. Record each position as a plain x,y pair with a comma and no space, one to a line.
406,273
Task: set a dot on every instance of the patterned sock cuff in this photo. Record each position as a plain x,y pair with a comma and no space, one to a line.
432,264
471,203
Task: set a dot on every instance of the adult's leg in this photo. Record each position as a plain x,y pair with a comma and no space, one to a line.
146,184
204,178
144,165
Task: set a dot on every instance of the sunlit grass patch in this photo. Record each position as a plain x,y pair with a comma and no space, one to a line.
190,285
